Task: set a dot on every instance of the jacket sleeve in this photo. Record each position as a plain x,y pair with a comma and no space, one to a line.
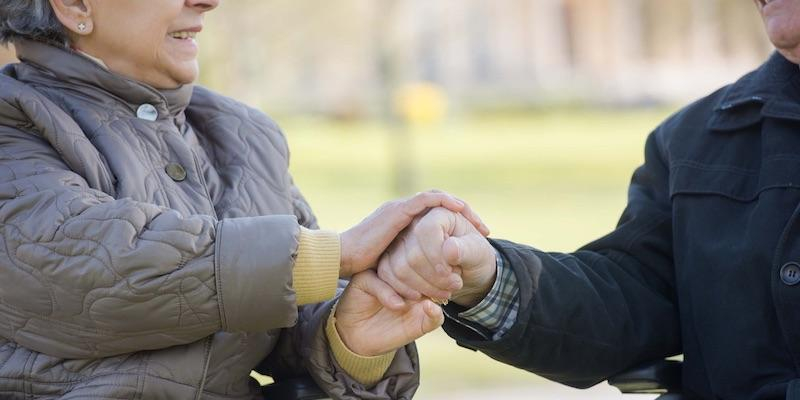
304,349
588,315
85,275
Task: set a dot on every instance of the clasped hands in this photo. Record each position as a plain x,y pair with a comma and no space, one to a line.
400,259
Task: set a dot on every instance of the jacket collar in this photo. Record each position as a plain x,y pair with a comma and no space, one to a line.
773,90
62,67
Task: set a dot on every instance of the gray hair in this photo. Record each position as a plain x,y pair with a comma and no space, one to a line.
30,19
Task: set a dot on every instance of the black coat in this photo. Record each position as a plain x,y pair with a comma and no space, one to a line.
703,261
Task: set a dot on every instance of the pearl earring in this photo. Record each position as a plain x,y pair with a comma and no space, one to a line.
82,26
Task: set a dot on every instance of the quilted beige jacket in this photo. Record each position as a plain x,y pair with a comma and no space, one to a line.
147,244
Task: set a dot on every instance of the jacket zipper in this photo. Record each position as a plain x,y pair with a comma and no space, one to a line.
206,365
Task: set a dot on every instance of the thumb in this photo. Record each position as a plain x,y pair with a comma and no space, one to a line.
433,317
466,251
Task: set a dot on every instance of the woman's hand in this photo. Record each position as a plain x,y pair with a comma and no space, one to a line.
364,243
372,319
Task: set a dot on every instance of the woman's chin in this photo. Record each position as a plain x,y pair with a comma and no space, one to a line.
182,73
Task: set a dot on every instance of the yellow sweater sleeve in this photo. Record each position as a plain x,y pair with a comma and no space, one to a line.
315,277
366,370
316,269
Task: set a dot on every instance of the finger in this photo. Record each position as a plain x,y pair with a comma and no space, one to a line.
427,239
386,274
470,215
411,266
382,226
455,282
413,280
475,220
369,282
425,200
434,317
465,251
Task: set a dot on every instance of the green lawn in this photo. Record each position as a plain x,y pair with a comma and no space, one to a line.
553,179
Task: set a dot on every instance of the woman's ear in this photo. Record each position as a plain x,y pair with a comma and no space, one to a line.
75,15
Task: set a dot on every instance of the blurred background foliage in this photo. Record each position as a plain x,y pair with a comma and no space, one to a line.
534,111
345,59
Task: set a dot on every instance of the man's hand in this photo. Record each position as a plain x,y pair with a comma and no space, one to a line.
365,242
441,255
372,319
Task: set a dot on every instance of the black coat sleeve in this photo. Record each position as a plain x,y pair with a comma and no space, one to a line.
611,305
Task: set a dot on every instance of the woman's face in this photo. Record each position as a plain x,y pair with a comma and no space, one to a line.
152,41
782,19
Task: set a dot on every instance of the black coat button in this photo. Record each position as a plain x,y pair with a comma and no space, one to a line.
790,273
176,172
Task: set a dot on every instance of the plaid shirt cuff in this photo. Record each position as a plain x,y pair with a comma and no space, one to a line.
498,310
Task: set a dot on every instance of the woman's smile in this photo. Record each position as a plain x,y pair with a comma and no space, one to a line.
184,41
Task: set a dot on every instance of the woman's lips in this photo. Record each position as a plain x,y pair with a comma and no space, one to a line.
184,39
183,43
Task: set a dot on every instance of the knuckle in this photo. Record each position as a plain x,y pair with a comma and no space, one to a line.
439,212
425,197
385,272
415,258
392,204
432,219
422,227
411,293
402,273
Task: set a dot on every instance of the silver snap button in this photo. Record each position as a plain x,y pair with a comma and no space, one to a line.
147,112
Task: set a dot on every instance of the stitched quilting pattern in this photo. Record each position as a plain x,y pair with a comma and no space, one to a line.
102,254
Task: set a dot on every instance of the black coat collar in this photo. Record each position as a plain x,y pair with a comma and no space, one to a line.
773,90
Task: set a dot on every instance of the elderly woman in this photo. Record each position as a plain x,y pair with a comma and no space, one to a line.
154,245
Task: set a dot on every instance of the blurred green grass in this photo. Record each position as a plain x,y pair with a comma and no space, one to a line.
553,179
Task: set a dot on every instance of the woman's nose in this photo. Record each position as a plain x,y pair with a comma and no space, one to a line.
203,5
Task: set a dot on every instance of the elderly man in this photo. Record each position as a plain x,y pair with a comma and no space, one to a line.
705,260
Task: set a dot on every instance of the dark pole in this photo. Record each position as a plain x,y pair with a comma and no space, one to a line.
388,71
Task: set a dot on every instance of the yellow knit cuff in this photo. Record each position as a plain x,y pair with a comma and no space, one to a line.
366,370
316,269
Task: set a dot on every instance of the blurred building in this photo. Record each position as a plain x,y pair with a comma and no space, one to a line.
348,57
